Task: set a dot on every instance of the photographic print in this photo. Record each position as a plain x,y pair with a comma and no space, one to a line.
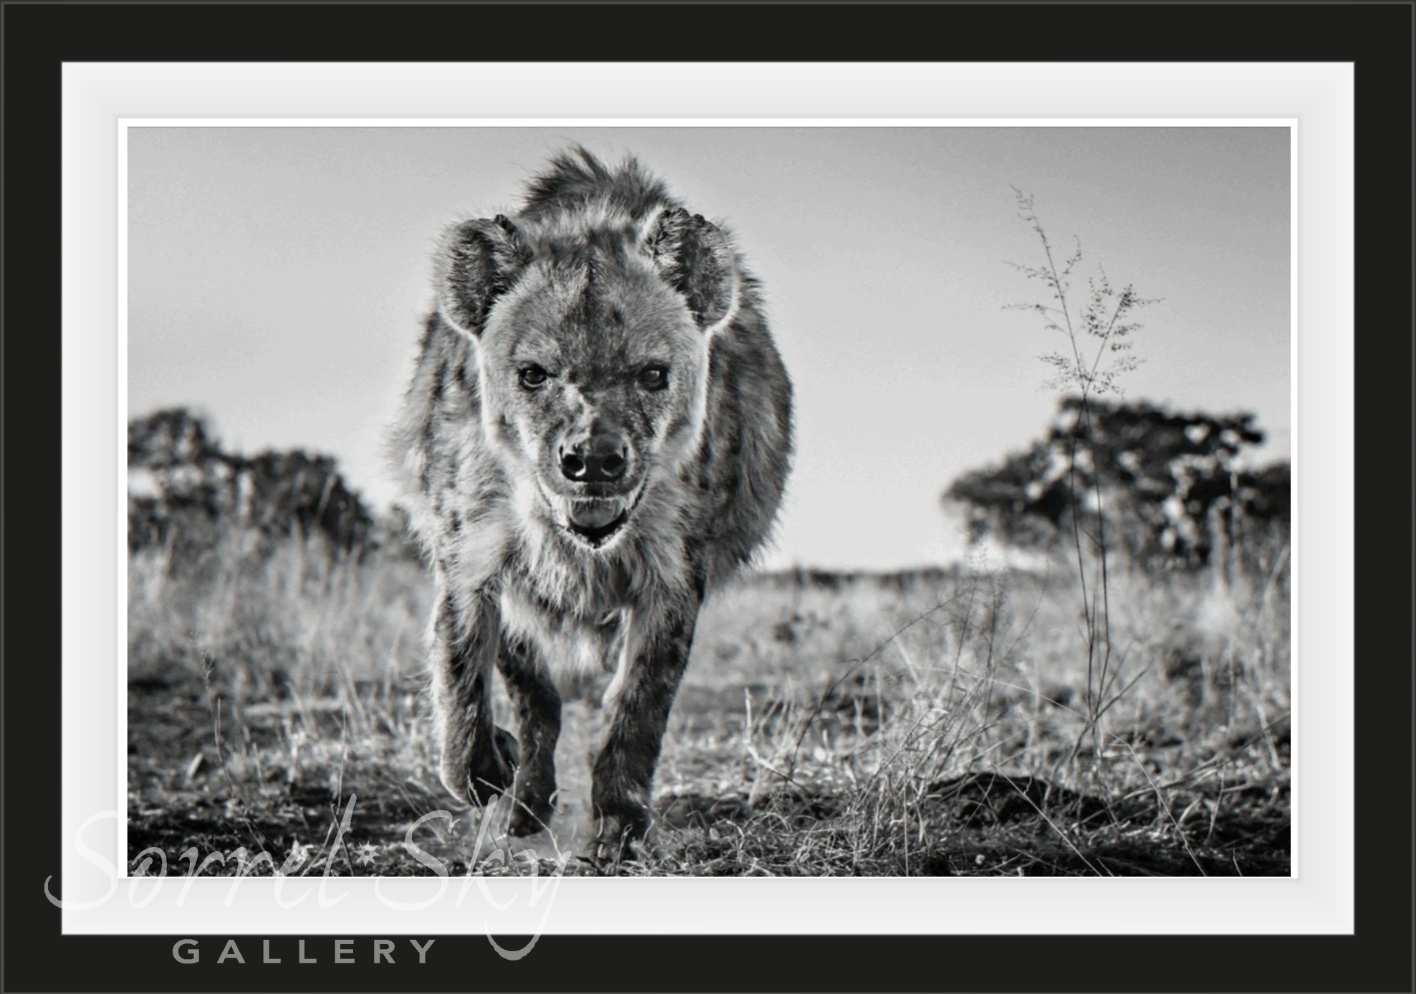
709,501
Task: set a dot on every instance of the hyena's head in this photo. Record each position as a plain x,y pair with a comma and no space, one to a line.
592,336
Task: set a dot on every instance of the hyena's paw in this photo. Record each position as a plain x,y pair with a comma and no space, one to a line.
620,834
481,777
532,811
535,795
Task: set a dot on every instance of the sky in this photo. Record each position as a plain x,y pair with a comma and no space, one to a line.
278,277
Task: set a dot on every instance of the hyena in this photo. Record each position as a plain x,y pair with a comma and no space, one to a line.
597,434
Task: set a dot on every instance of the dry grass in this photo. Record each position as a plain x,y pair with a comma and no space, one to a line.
924,724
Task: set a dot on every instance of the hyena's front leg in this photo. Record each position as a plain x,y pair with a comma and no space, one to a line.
639,701
538,707
478,759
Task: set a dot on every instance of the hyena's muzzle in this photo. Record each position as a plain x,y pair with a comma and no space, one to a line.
596,484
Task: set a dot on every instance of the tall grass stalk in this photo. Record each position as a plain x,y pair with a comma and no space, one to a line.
1097,353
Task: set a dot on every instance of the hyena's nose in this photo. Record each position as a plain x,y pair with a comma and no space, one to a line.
600,460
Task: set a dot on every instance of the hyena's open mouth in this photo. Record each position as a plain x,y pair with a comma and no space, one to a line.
594,522
597,535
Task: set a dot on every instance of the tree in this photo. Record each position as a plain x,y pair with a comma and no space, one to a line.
180,482
301,493
1169,484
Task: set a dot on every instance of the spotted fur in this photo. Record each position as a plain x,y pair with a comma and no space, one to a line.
549,326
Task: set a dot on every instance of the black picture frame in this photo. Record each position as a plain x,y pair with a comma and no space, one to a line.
1377,37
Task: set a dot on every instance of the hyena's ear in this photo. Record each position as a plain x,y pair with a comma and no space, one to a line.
696,259
478,262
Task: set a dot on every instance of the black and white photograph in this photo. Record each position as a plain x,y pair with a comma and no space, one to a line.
709,501
787,496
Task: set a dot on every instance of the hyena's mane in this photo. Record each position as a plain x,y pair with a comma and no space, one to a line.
576,182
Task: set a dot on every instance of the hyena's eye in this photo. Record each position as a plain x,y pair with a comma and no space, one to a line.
531,377
654,377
